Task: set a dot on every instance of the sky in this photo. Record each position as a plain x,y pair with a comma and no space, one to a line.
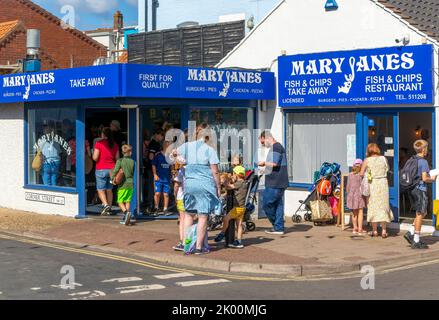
92,14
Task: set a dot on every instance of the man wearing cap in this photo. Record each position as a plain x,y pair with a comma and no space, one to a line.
118,136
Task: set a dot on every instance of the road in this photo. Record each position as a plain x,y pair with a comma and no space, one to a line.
31,269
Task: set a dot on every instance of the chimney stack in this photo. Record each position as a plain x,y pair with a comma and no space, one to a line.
118,20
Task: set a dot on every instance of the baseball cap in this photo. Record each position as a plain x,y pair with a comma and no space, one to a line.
240,170
358,162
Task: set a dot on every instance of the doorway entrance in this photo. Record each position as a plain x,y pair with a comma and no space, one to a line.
95,121
395,133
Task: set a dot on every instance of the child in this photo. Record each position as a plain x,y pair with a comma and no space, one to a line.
162,176
239,187
355,199
125,190
419,195
179,195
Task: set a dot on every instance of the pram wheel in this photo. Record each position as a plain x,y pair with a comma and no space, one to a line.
307,217
251,226
297,218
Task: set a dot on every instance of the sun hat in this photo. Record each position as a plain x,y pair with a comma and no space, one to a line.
239,170
358,162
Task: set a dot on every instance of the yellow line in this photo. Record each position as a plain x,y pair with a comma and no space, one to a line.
138,262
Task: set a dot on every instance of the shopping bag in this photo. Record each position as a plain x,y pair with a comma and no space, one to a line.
365,187
436,212
37,163
321,210
190,242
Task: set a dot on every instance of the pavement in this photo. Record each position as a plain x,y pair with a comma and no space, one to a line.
304,251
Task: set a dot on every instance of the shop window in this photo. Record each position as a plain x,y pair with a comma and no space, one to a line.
228,123
52,133
315,138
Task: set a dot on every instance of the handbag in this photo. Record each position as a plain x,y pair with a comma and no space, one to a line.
321,209
365,187
37,163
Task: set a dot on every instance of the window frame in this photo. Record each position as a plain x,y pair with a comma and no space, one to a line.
358,126
30,186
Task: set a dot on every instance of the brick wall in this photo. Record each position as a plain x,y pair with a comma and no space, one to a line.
61,48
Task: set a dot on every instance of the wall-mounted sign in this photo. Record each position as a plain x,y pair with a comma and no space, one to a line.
45,198
396,75
137,81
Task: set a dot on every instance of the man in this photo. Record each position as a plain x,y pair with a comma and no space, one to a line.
118,136
154,146
276,181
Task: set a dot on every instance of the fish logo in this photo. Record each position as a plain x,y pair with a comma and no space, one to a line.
346,88
226,86
27,88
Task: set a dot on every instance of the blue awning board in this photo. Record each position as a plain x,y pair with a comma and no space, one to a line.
380,76
137,81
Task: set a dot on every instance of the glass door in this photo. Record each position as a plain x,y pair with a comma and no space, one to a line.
382,129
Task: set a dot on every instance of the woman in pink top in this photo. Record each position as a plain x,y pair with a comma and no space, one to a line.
106,153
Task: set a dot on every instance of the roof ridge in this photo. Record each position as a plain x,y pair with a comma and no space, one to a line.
16,25
44,12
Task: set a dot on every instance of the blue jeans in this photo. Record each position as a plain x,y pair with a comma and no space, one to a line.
50,173
273,206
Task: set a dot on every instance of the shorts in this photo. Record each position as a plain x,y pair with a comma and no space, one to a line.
124,195
419,200
180,206
103,180
161,187
237,213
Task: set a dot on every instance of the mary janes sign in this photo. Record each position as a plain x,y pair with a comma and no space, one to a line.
397,75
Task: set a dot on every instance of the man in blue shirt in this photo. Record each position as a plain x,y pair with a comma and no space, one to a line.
276,181
162,180
419,195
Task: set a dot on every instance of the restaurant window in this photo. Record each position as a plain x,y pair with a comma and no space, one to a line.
315,138
228,123
51,147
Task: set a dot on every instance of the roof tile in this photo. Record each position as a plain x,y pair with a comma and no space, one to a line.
7,27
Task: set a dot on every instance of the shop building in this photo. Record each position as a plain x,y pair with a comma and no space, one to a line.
359,73
64,107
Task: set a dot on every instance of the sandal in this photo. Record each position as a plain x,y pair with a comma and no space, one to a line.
355,231
384,235
373,234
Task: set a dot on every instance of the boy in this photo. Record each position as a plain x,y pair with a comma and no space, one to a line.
419,195
125,190
162,176
179,196
237,213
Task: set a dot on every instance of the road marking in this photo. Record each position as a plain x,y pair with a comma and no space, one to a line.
84,293
67,286
87,295
200,282
35,289
174,275
134,289
128,279
1,292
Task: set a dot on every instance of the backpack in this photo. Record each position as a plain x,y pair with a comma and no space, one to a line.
409,176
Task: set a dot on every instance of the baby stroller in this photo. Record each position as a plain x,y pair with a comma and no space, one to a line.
215,221
328,171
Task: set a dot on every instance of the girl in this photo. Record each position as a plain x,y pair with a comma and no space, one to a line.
355,200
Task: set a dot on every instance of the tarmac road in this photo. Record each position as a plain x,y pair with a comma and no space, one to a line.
31,269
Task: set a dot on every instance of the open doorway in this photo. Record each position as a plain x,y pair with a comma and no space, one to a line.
414,126
96,120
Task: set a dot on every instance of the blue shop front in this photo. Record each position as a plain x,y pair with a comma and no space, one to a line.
69,107
336,103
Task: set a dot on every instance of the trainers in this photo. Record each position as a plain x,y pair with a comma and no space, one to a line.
179,247
272,231
237,244
409,237
127,218
105,211
167,212
200,252
419,245
220,237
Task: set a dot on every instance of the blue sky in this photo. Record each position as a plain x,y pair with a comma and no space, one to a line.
92,14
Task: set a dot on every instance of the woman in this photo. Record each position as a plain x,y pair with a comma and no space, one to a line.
378,208
105,153
51,152
201,186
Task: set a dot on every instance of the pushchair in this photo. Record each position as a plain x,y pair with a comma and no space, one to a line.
329,172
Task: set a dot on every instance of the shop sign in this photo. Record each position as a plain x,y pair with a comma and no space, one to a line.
66,84
45,198
198,83
395,75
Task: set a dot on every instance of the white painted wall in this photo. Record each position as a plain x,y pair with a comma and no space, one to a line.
12,193
303,26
